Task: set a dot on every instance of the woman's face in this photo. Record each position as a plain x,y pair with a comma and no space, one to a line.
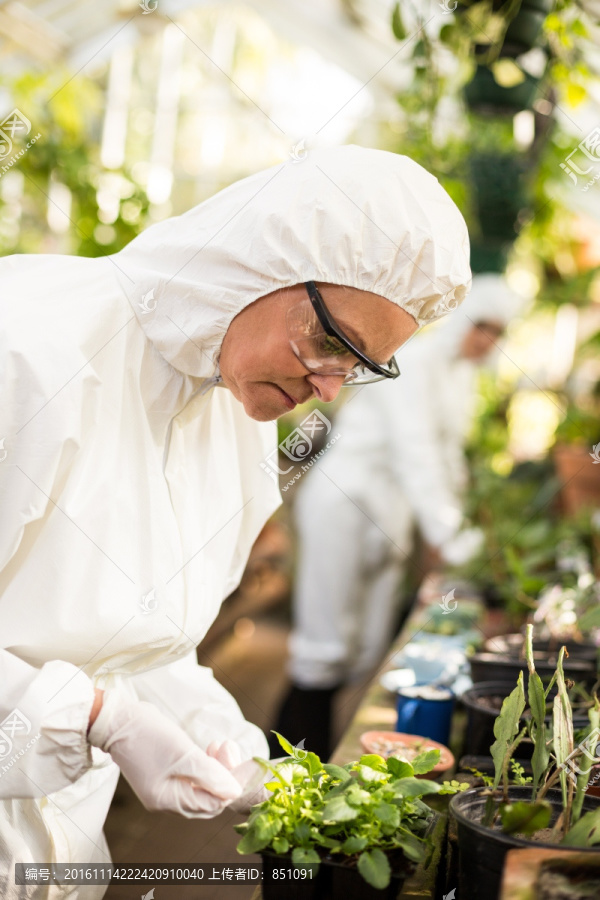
480,340
260,368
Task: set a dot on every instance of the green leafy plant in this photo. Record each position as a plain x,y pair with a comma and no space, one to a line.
364,810
555,759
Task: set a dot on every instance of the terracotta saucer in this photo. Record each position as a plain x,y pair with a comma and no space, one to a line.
372,741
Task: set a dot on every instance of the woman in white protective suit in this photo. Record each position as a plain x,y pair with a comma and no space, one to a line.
137,397
399,462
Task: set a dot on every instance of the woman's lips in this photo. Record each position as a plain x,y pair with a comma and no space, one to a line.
289,401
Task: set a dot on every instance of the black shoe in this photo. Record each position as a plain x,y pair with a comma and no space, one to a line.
305,719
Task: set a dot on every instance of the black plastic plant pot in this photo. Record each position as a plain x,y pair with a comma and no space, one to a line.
484,94
337,879
497,667
481,850
483,703
348,884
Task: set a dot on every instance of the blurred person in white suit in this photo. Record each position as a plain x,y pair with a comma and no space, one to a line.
398,463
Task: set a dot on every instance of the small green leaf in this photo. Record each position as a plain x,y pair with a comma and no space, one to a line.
266,827
284,743
562,725
397,24
251,842
354,844
339,810
506,726
302,832
374,867
388,814
454,787
288,771
585,832
313,763
306,857
399,768
413,848
281,845
525,818
337,772
356,796
426,761
415,787
374,761
368,774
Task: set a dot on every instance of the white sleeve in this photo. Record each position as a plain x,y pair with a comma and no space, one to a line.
43,711
190,695
44,717
417,452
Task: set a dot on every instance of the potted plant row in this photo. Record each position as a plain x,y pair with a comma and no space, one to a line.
348,831
548,810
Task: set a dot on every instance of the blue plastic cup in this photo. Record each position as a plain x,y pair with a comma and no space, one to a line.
426,711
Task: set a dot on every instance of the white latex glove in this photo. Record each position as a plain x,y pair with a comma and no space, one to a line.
459,549
249,774
165,768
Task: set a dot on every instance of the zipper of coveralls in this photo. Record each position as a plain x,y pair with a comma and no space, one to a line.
204,388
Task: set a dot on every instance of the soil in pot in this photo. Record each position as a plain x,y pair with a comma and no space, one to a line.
481,850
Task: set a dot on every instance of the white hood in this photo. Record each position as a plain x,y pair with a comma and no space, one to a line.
364,218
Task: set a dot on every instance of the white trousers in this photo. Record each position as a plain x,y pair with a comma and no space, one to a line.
352,548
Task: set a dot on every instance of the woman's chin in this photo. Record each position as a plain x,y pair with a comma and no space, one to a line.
263,410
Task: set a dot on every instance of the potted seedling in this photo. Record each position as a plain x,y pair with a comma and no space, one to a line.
553,810
353,830
484,701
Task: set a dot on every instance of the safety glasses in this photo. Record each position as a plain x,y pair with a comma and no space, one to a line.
323,348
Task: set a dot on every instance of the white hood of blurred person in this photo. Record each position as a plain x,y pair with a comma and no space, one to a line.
131,493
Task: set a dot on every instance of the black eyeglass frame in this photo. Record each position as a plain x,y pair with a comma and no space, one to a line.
333,330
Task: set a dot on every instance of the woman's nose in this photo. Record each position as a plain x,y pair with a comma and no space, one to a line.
325,387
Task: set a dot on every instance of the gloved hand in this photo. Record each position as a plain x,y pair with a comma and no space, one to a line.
462,547
249,774
165,768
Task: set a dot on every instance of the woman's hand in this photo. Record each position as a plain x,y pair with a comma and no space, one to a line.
249,774
165,768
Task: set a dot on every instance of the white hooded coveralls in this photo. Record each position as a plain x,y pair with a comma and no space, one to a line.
399,462
131,492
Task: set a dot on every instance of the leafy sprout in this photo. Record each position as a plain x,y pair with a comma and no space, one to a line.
364,809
